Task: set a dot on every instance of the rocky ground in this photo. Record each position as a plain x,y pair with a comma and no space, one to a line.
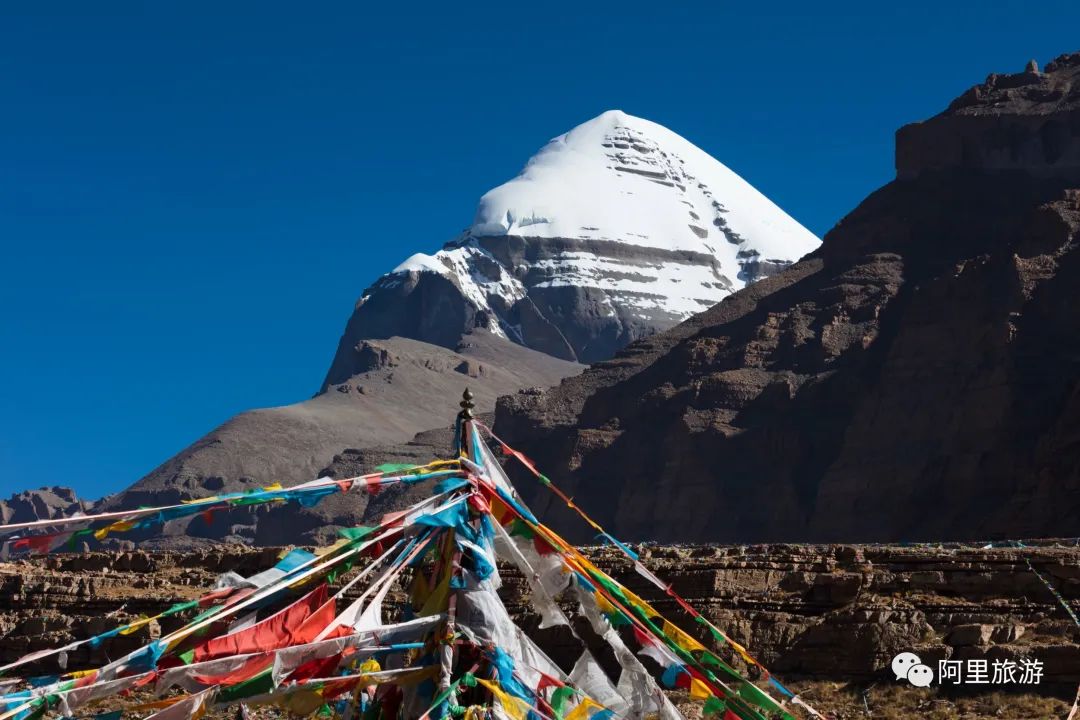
827,619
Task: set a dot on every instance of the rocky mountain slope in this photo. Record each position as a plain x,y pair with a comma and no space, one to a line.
41,504
827,619
405,386
613,231
915,378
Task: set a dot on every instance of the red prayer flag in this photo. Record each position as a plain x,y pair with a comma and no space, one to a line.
479,504
35,543
317,668
248,670
211,597
542,546
239,595
315,623
277,631
547,681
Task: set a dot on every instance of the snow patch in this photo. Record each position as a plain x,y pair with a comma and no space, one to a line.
421,263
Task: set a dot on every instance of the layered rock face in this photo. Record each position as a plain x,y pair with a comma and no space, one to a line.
808,612
1027,121
614,231
914,379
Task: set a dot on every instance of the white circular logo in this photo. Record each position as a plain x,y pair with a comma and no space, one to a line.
902,664
920,676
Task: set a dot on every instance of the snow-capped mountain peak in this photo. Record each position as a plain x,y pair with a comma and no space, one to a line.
612,231
623,178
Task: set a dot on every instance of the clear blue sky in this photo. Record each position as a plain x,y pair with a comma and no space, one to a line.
192,195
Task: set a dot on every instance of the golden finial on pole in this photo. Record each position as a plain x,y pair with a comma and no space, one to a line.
466,405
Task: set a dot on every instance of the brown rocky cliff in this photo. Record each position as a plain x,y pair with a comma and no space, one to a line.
1026,121
914,379
811,612
42,504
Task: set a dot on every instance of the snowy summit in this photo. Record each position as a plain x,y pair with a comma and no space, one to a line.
612,231
619,177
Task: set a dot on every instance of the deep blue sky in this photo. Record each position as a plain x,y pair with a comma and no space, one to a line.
192,195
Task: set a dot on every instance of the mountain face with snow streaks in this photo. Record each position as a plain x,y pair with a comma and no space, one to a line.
613,231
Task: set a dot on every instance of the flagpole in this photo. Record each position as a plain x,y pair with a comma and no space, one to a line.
447,654
464,419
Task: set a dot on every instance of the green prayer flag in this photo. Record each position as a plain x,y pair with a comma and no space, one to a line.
745,713
181,607
206,613
261,683
710,659
712,631
520,529
559,698
188,656
394,467
713,706
356,533
755,695
36,713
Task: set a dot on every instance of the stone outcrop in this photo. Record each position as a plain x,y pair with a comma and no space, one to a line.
914,379
810,613
1025,121
41,504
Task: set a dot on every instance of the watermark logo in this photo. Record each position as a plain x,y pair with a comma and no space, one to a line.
908,666
1028,671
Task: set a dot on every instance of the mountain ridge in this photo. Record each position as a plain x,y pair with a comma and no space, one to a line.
912,379
496,312
612,231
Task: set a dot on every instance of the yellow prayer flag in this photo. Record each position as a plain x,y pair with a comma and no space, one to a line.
680,638
515,708
136,624
437,600
300,702
581,711
640,604
323,551
742,652
699,690
118,526
602,603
